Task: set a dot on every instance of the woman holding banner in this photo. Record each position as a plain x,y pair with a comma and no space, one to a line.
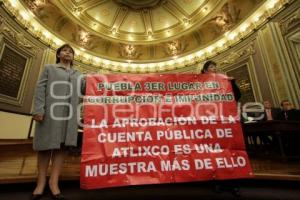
211,67
55,112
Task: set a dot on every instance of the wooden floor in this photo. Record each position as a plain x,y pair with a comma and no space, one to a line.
18,165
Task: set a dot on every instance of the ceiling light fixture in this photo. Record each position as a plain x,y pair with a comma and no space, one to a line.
25,15
210,49
257,18
221,43
150,34
271,4
231,36
199,53
244,27
97,60
13,3
46,34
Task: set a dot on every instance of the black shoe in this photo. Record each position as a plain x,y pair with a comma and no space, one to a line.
58,197
36,196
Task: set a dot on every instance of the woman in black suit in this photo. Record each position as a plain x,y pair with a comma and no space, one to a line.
211,67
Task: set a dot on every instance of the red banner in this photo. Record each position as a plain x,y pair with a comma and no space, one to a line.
150,129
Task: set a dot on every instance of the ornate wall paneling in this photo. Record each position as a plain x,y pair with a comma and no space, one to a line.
239,63
241,71
20,60
278,64
270,66
265,84
293,89
15,63
290,27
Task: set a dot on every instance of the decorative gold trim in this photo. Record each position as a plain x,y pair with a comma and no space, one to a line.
197,18
17,38
2,20
288,74
292,22
266,66
293,44
241,31
248,62
254,79
234,56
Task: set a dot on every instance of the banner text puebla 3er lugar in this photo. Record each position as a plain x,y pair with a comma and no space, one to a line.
151,129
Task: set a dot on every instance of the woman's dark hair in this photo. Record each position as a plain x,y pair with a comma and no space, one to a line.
206,65
61,48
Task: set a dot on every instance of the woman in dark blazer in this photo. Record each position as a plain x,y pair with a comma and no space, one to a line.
211,67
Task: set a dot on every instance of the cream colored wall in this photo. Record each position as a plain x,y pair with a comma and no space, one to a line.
14,126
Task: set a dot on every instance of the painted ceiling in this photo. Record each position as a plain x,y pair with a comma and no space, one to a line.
141,31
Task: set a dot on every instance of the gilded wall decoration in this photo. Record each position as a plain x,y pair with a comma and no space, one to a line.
2,20
35,4
103,21
226,18
175,47
18,38
105,12
129,51
293,21
138,4
234,56
77,10
84,39
41,8
60,24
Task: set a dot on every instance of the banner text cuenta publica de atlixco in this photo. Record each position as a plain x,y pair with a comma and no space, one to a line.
151,129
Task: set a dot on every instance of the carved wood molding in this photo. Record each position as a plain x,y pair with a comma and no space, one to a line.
289,24
234,56
2,20
17,38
